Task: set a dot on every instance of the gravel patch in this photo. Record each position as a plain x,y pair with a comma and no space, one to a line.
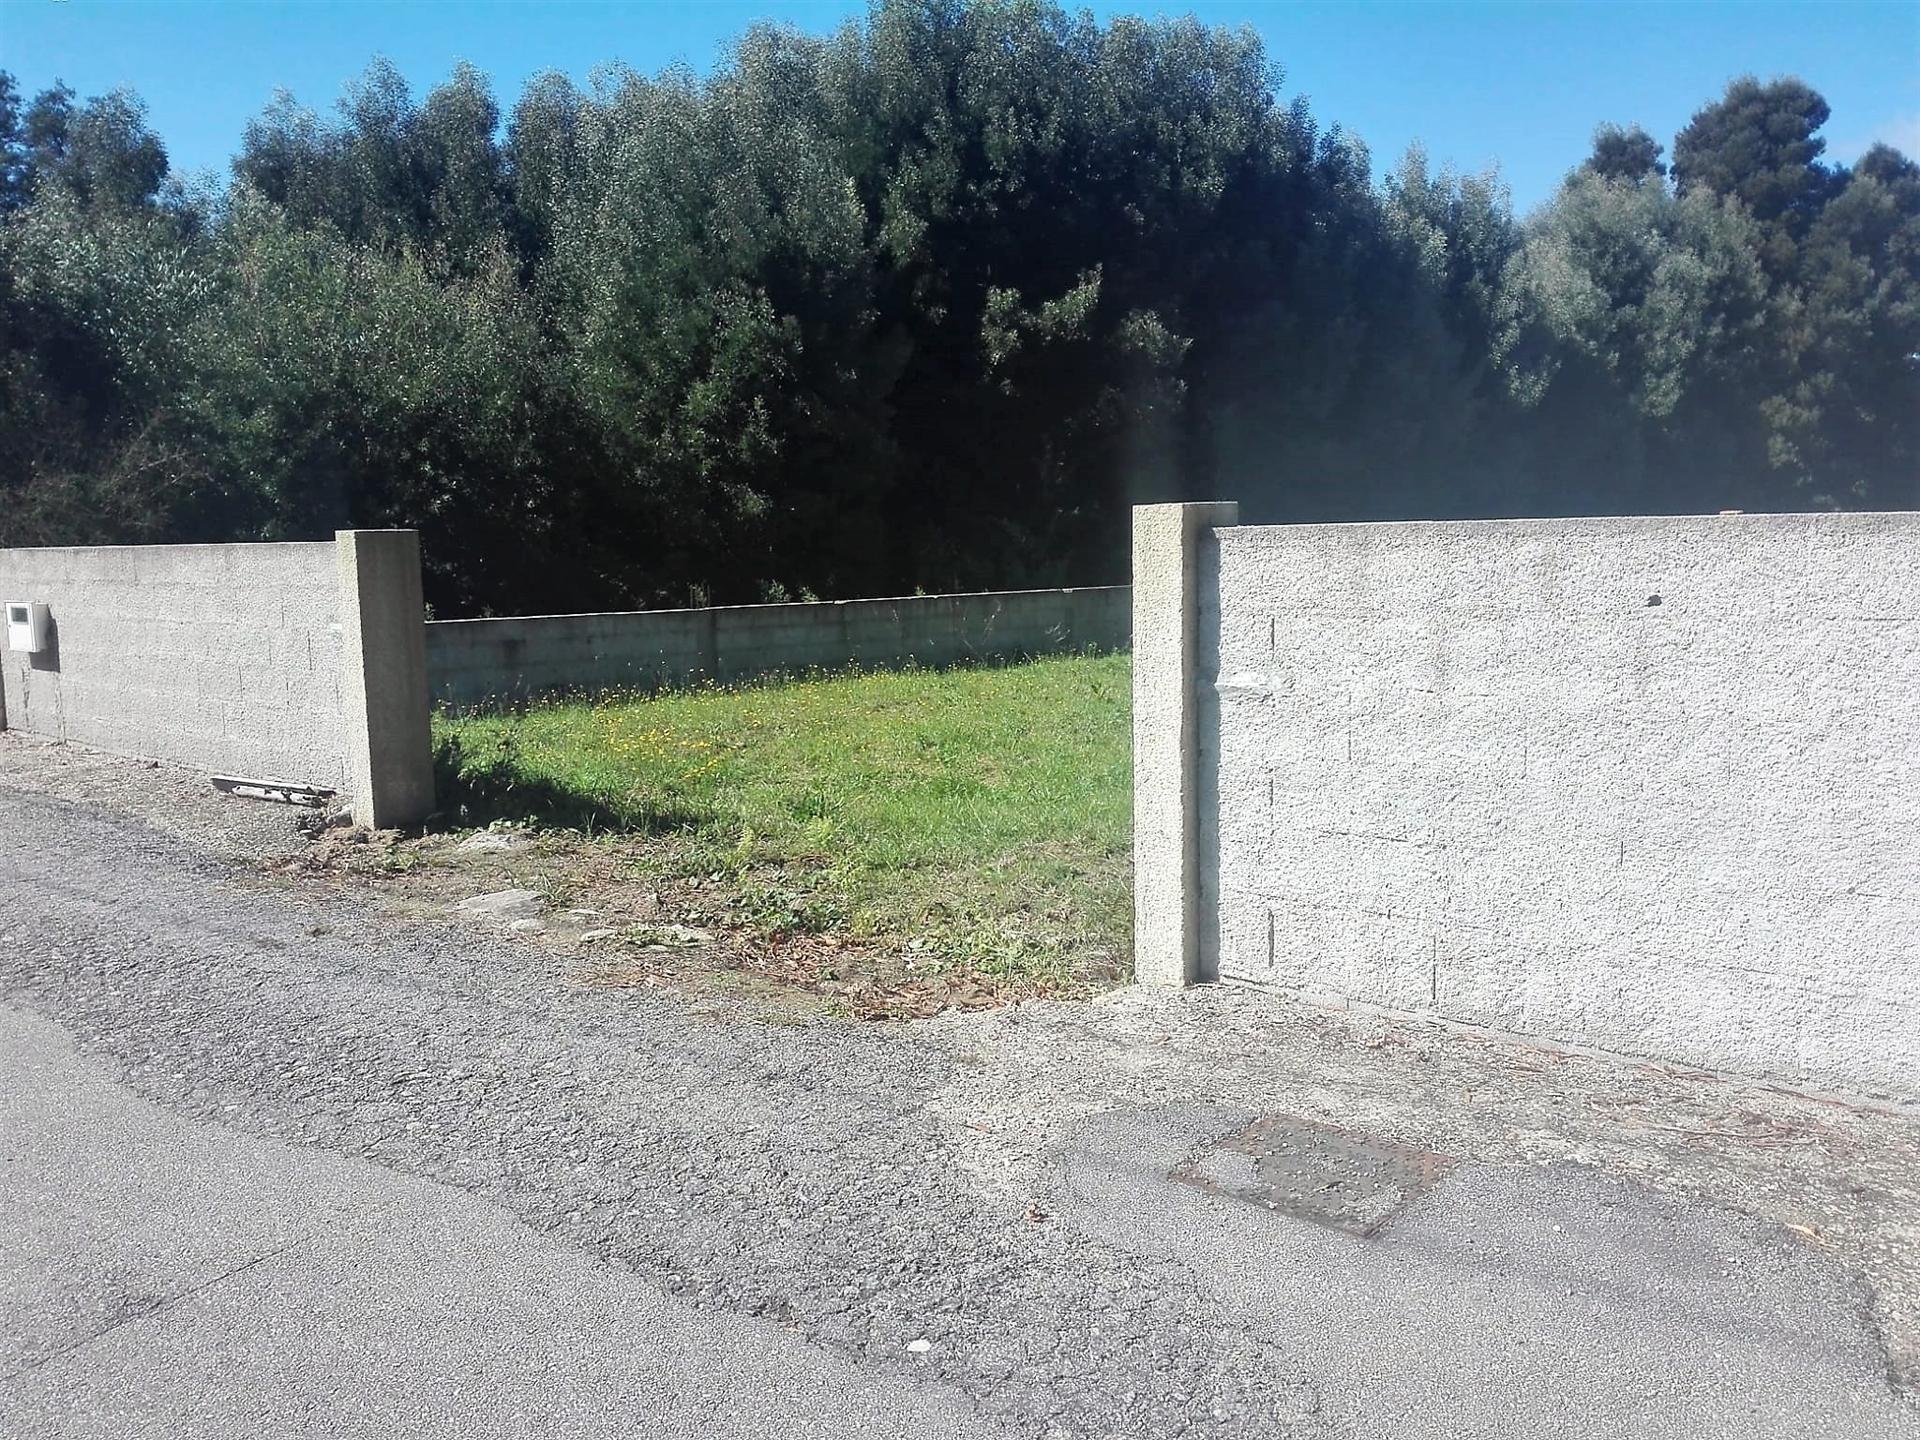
170,798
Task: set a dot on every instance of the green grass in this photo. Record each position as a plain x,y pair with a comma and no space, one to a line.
983,813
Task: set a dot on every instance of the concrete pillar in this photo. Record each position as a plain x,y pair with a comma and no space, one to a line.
1166,878
383,632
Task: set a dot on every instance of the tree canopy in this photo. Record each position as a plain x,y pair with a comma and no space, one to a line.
922,303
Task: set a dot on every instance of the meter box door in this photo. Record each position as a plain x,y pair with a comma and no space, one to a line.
28,629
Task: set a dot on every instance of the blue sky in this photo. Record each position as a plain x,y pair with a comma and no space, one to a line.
1514,82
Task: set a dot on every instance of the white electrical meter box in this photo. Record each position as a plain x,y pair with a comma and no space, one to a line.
27,626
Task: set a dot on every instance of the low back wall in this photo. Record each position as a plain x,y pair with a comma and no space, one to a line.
478,663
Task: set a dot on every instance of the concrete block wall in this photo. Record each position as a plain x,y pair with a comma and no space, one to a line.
224,657
1645,785
478,663
297,662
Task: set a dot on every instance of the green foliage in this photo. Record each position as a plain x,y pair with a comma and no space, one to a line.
1628,153
1846,427
100,152
1757,144
920,304
1746,339
388,170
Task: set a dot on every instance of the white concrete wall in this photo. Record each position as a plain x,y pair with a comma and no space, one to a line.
223,657
297,662
1167,543
1477,770
506,661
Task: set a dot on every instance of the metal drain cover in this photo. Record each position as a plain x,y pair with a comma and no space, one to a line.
1313,1172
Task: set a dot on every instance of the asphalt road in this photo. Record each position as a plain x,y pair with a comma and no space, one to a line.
170,1278
273,1166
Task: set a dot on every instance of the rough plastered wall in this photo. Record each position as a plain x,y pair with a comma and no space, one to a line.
224,657
483,662
1649,785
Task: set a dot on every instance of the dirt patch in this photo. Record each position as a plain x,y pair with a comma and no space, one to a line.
602,902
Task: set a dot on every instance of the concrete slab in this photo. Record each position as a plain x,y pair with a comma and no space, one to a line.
1313,1172
1511,1300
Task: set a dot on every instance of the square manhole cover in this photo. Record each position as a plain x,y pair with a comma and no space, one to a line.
1314,1172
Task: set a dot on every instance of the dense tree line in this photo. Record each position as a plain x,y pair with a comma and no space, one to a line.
922,303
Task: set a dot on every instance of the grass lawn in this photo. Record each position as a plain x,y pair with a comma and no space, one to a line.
981,816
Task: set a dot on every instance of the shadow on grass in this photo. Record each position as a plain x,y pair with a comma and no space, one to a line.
481,786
